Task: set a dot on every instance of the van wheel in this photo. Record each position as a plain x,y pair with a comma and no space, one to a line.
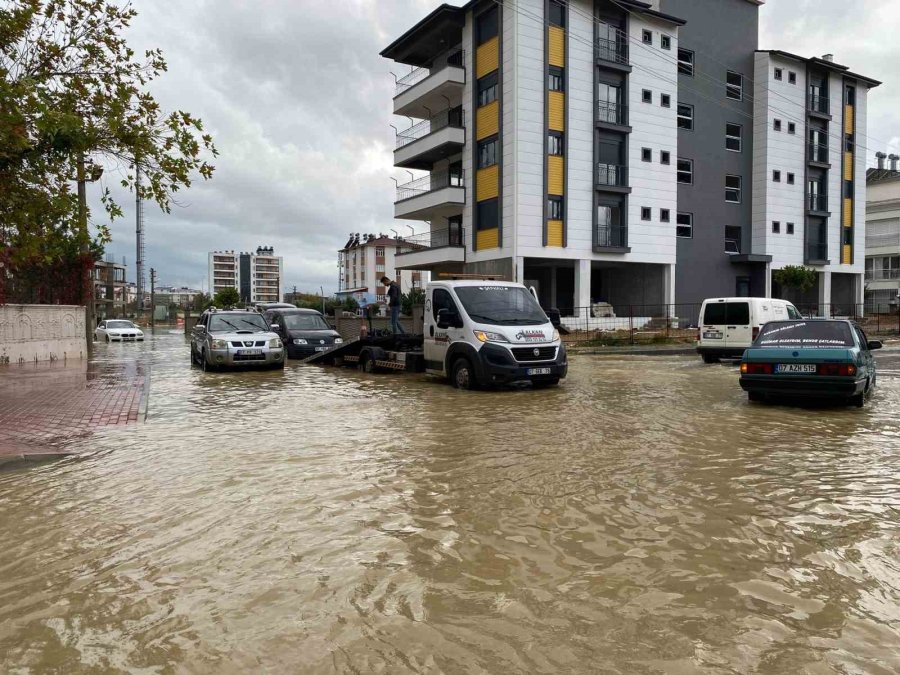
709,358
544,383
462,374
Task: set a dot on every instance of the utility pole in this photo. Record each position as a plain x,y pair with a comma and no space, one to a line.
139,239
88,270
152,298
322,291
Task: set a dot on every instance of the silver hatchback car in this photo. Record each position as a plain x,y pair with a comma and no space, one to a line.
235,339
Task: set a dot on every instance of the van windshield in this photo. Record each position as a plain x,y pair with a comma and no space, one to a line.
501,305
304,322
792,334
730,313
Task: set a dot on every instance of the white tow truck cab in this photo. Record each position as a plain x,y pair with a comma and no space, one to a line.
481,333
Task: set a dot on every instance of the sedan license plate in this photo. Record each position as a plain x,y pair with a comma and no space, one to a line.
538,371
796,368
321,349
249,352
712,336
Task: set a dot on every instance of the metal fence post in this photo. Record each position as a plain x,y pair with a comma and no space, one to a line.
631,322
667,321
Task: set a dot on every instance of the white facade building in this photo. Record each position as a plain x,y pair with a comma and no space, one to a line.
258,276
883,237
366,258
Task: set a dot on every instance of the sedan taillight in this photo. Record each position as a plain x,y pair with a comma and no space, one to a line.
837,369
757,369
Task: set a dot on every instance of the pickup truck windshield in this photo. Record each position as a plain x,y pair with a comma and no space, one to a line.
227,323
304,322
815,334
501,305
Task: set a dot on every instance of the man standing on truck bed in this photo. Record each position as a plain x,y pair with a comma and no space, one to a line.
393,293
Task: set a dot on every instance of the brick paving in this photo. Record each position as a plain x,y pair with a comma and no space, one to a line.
43,407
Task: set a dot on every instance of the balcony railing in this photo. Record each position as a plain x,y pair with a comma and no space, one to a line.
882,274
612,113
818,152
437,180
415,76
440,238
816,202
612,174
613,46
818,103
816,251
449,118
612,236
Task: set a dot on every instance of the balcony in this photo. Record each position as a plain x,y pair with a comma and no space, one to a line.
882,274
611,238
817,204
423,144
816,253
612,115
427,89
817,154
818,105
443,246
612,178
612,48
440,194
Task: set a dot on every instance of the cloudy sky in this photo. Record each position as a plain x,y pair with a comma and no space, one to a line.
299,103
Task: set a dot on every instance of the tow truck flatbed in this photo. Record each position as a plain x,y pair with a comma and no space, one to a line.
403,353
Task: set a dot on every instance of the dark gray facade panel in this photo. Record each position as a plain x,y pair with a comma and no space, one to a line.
723,34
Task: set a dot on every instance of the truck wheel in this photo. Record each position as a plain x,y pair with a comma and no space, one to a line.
205,365
463,375
366,364
709,358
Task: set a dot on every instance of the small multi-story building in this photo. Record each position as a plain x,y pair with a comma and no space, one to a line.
176,295
365,259
258,277
626,152
110,296
224,271
883,237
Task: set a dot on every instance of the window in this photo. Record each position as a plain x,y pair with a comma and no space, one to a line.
792,77
557,81
777,125
647,96
665,100
557,14
487,25
792,127
554,208
733,241
684,225
734,86
646,155
441,299
685,116
848,143
686,171
665,41
685,61
790,179
646,213
790,228
609,97
610,231
779,74
664,215
487,153
734,134
776,176
647,37
665,157
733,189
487,214
555,143
487,89
776,227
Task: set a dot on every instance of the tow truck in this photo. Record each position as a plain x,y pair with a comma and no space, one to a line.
477,333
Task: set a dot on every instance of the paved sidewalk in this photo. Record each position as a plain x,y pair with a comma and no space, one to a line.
44,406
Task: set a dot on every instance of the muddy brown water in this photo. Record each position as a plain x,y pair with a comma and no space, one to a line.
641,518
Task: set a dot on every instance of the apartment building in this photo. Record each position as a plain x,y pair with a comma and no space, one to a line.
110,296
257,276
366,258
224,270
883,237
628,152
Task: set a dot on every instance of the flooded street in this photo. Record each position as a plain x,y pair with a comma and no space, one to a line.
640,518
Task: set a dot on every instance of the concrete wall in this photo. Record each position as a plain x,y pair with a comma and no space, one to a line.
30,333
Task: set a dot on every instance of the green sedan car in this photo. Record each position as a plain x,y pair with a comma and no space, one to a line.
810,359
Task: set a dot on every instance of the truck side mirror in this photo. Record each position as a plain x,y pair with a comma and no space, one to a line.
447,318
553,315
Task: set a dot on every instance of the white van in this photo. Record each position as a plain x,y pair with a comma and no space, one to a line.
480,333
727,326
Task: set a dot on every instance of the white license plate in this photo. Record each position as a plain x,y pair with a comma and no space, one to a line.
712,336
321,349
249,352
796,368
538,371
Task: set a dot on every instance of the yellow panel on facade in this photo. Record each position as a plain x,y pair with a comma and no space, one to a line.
557,46
557,111
487,57
487,239
487,183
848,166
846,254
848,119
555,173
487,120
848,212
555,233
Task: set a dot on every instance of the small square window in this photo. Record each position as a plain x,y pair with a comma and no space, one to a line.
665,42
733,188
685,116
647,37
684,225
776,227
665,100
665,157
664,215
646,155
647,96
685,62
554,208
734,134
777,125
790,179
792,77
557,79
555,143
734,85
776,176
779,74
790,228
792,127
685,172
646,213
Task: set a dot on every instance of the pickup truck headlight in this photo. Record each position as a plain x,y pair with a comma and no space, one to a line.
299,341
489,336
219,344
275,343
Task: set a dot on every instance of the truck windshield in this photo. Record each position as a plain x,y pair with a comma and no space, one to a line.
304,322
224,323
501,305
792,334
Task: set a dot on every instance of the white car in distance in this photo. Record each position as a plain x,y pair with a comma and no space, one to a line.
118,330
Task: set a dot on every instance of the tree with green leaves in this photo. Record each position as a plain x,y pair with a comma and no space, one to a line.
73,102
227,297
201,301
797,277
416,296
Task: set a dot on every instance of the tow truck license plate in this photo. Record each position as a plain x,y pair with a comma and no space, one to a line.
803,368
538,371
249,352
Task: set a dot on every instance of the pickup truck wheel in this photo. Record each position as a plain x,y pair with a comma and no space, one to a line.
463,375
205,364
709,358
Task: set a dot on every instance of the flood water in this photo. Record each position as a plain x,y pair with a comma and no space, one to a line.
641,518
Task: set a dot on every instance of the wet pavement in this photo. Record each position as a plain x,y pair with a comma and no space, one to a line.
641,518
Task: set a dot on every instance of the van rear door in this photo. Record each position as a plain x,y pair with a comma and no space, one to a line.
738,327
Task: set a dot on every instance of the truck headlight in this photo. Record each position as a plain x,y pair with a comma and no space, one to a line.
299,341
555,335
489,336
219,344
275,343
